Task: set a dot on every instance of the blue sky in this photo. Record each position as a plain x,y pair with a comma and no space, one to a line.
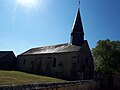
51,21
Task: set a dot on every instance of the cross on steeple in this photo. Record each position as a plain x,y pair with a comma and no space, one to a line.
79,3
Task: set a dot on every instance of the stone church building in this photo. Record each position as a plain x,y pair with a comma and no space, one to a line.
70,61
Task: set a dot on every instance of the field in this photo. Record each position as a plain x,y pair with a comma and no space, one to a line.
15,77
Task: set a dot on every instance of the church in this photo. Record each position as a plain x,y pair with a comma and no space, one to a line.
69,61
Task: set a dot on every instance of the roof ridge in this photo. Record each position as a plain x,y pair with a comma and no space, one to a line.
50,45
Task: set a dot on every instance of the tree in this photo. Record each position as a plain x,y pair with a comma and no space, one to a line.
107,56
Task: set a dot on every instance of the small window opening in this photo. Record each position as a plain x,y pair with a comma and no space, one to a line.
54,62
49,57
24,61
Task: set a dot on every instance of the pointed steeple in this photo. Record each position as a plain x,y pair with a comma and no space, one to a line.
77,35
77,26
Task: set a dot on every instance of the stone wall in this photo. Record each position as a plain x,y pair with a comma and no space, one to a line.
73,85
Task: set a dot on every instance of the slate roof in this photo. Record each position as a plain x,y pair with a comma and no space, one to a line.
4,53
52,49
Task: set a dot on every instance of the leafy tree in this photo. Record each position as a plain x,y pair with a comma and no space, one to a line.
107,56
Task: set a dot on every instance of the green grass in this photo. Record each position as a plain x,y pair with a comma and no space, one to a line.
15,77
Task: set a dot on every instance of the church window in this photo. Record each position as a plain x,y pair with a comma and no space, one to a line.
54,62
60,68
40,58
32,68
39,65
24,61
74,57
49,57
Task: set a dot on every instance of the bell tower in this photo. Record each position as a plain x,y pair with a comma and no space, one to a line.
77,34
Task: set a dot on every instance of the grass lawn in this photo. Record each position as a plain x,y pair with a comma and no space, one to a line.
15,77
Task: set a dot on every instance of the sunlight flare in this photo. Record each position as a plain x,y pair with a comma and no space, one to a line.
28,3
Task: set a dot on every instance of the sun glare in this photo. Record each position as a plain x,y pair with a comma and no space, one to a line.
28,3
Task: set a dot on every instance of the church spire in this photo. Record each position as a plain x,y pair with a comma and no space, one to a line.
77,35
